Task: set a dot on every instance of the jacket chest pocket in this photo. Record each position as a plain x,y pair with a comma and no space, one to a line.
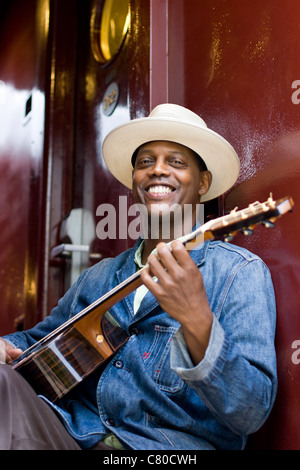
157,360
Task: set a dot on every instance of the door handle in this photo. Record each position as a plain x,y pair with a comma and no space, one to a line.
66,249
79,229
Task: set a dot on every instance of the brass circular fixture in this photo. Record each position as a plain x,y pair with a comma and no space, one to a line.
110,22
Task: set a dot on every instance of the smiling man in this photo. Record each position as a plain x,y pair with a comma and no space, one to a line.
168,179
199,368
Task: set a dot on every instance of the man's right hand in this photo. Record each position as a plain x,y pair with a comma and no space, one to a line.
8,353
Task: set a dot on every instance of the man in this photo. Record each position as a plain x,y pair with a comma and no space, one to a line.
199,368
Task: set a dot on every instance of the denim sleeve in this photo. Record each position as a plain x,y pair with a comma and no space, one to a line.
237,377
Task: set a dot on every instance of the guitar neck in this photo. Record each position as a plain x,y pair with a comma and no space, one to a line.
222,227
106,302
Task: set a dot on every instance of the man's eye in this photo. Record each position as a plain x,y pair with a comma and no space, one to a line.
144,161
177,162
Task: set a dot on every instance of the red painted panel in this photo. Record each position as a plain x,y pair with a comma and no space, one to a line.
21,152
240,62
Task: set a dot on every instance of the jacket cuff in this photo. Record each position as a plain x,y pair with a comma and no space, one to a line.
181,362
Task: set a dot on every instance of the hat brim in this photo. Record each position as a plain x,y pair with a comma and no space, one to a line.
220,157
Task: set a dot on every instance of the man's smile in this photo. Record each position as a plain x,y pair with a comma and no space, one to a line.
158,190
166,175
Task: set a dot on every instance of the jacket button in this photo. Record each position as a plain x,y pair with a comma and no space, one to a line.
118,364
109,422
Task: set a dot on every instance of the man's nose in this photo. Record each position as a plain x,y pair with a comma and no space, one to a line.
160,167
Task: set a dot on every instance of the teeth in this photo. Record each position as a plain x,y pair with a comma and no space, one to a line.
159,190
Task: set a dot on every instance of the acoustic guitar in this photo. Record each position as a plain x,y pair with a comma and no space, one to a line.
66,356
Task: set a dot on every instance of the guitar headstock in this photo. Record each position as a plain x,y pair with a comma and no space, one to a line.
247,219
226,227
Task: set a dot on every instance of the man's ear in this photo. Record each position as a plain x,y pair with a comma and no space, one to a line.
206,178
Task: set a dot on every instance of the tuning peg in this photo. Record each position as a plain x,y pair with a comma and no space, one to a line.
247,231
268,224
228,238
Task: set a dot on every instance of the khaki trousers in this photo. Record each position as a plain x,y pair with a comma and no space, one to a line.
26,421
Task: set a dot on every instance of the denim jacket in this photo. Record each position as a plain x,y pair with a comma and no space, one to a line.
150,395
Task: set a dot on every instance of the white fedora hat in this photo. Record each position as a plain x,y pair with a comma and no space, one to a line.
174,123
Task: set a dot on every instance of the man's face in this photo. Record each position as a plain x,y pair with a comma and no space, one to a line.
167,174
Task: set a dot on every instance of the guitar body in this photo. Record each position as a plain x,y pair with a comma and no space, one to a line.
62,363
